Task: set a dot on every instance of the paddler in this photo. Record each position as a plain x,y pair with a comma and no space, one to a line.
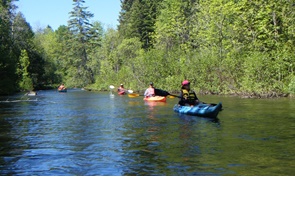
187,96
150,91
62,87
121,89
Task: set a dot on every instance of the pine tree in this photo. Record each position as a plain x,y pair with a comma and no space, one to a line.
137,20
81,31
126,5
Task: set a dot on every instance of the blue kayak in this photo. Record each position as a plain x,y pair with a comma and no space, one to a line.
203,110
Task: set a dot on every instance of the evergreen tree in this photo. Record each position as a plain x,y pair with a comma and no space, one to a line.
80,27
137,20
124,16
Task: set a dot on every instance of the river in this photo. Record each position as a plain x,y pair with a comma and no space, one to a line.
86,133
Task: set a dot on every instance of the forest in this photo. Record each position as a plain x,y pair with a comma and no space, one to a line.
225,47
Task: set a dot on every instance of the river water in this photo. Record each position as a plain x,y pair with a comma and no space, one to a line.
93,133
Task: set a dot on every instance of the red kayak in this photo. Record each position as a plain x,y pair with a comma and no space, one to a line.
121,92
155,99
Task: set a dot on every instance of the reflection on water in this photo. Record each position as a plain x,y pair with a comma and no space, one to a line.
87,133
153,104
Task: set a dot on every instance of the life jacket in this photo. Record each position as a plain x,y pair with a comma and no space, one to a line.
190,96
150,92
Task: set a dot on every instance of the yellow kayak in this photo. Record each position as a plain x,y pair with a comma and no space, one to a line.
155,99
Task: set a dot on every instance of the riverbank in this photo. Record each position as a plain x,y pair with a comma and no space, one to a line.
252,95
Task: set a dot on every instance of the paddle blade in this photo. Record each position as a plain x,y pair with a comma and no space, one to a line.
112,87
130,91
170,96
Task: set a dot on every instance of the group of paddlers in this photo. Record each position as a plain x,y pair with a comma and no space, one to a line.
187,96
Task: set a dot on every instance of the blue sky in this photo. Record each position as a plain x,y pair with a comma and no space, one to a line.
40,13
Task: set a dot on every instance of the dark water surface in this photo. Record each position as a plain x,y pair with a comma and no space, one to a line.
91,133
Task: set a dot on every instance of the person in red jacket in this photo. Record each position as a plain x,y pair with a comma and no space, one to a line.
121,89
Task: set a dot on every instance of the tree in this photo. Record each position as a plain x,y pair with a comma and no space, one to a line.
22,34
80,27
109,58
26,82
171,29
23,39
137,19
48,45
62,53
94,45
124,27
8,60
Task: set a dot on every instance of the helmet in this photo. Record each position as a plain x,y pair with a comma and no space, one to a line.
121,84
151,83
185,82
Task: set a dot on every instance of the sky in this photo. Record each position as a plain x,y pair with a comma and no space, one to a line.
40,13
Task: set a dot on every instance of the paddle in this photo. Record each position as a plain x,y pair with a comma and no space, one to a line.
158,92
172,96
165,93
111,90
112,87
132,95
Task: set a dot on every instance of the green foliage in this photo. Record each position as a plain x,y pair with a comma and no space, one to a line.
222,47
47,46
8,58
292,85
26,82
171,25
80,73
23,39
137,19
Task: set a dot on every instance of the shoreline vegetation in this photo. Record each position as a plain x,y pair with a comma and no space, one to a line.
235,48
253,95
